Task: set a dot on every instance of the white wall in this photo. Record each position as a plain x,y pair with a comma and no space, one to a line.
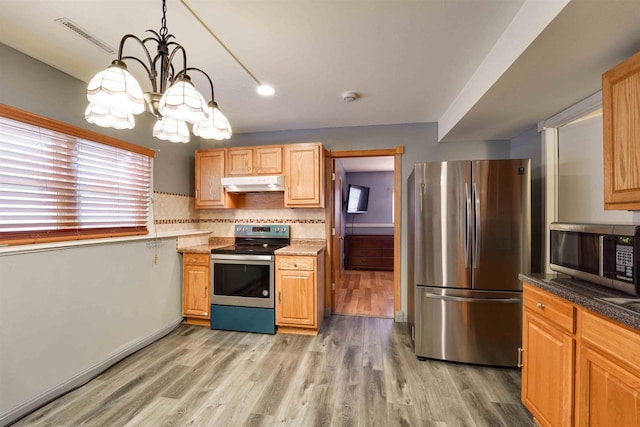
580,170
65,311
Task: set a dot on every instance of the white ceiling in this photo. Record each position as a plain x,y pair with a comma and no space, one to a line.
487,69
368,164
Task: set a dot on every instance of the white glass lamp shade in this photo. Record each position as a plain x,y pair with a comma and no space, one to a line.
172,130
108,117
215,127
116,88
182,102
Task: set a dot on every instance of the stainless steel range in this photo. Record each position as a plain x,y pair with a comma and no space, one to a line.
243,279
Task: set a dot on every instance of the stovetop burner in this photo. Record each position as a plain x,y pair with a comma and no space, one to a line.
257,240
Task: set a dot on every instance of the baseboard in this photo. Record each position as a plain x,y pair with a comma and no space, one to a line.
84,376
401,317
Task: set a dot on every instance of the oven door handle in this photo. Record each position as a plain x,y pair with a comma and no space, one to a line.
249,258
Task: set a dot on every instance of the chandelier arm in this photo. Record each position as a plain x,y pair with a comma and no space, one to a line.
177,48
208,78
150,73
136,38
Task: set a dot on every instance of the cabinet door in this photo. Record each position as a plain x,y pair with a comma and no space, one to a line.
195,291
303,176
209,172
608,394
239,161
268,160
296,298
547,372
621,124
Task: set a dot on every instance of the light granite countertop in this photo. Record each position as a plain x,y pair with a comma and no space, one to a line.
585,294
297,247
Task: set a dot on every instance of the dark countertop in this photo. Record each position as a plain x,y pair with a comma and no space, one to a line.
585,294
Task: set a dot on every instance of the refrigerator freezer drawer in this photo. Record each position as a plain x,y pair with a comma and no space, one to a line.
481,327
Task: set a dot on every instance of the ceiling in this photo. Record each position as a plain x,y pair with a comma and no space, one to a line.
482,69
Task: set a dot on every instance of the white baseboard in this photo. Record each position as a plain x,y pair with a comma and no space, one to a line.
84,376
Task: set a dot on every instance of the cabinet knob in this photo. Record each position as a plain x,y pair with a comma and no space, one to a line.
540,305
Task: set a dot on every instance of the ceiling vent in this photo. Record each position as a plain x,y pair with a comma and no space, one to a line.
85,34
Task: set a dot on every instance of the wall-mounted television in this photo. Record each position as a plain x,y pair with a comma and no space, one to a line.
357,199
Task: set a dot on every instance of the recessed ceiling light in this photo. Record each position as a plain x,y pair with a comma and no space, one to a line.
266,90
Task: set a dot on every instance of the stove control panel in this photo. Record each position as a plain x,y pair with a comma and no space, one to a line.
260,230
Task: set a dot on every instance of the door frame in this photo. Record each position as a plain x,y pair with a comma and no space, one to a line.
397,215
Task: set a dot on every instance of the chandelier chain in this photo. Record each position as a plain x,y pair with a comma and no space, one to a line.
163,28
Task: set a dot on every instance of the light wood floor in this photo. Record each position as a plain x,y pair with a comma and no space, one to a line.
359,371
365,293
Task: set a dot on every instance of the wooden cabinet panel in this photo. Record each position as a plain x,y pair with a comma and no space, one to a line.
548,371
254,161
299,293
209,170
304,175
296,298
240,161
608,394
195,288
369,252
268,160
621,126
551,308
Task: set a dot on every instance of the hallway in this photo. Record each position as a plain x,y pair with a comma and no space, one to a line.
365,293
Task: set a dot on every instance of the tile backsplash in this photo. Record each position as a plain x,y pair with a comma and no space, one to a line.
174,212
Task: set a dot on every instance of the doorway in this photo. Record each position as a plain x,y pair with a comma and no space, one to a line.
365,241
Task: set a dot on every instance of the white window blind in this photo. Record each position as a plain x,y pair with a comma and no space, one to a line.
57,186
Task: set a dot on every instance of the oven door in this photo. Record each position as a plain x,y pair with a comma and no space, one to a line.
243,280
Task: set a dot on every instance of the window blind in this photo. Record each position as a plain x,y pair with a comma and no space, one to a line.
56,186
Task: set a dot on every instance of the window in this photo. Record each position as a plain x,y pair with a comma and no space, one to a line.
59,182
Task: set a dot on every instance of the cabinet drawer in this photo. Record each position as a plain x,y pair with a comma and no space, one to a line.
611,338
295,263
387,243
550,307
364,242
196,259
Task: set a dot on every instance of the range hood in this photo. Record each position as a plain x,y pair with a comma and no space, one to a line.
248,184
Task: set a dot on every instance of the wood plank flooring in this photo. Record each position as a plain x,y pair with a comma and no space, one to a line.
359,371
365,293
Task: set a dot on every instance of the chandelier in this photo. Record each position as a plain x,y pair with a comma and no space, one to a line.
115,95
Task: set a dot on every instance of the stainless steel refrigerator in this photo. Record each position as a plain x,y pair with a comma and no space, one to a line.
468,238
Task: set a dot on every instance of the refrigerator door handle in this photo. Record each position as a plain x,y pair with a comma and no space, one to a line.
476,241
468,299
467,231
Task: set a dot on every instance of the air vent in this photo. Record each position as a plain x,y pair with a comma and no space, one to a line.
85,34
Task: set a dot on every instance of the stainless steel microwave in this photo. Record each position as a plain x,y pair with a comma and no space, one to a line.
606,254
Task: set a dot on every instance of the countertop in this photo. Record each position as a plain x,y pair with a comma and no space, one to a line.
309,248
585,294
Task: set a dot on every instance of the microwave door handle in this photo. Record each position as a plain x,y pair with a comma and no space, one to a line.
467,228
601,256
477,219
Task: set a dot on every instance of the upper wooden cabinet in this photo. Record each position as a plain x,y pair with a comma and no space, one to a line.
304,175
254,161
209,172
621,125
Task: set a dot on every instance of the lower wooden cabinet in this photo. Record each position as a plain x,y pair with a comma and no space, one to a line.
196,288
579,368
608,374
548,371
299,293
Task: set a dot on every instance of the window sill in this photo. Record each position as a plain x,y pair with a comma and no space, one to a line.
39,247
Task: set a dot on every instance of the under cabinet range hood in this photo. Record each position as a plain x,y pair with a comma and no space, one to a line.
252,184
